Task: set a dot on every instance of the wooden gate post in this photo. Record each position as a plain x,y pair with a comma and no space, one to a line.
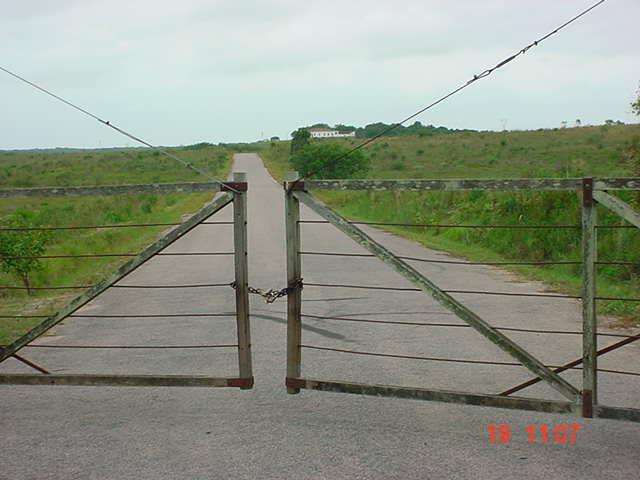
294,298
242,274
589,319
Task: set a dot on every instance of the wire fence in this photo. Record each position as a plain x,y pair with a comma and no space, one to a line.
461,325
100,227
121,286
452,360
472,226
464,262
626,338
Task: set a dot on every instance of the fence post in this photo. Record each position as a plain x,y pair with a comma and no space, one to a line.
294,299
242,280
589,319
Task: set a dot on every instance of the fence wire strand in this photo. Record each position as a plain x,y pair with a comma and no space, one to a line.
451,262
107,123
460,325
106,226
472,292
475,78
136,347
452,360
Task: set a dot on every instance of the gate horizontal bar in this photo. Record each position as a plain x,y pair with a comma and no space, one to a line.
126,380
485,400
629,183
110,190
618,413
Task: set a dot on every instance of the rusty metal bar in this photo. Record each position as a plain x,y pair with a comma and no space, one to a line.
572,364
28,362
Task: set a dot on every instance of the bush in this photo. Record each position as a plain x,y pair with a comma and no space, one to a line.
26,243
330,160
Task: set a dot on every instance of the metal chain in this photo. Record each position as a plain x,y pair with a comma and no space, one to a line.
272,295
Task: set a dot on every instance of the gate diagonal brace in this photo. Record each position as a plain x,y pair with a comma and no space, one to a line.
451,304
618,206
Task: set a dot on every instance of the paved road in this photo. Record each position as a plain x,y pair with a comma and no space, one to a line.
116,433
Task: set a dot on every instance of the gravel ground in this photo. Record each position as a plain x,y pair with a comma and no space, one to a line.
114,433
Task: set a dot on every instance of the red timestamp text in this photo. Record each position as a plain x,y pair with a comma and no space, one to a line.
557,434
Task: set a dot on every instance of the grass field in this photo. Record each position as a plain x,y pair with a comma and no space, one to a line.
95,167
574,152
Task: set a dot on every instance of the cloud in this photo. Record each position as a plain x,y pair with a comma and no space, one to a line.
226,70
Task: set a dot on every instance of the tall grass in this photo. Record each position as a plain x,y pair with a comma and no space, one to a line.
93,168
576,152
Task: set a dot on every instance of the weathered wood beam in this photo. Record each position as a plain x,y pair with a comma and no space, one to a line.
217,204
589,318
110,190
617,413
485,400
294,268
618,206
475,184
242,276
124,380
621,183
451,304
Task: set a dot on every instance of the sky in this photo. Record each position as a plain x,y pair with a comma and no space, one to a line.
178,73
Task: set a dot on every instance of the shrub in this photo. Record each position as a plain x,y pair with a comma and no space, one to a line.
26,243
330,160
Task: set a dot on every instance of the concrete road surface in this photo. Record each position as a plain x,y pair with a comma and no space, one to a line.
165,433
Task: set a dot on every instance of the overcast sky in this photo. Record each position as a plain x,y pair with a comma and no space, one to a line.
181,72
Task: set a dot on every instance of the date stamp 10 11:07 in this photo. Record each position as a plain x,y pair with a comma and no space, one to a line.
554,434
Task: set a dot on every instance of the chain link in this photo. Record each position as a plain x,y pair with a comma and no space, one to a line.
272,295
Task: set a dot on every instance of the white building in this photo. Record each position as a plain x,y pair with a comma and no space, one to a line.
321,132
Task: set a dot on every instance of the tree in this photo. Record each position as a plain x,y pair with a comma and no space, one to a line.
632,152
24,243
330,160
635,106
342,128
299,139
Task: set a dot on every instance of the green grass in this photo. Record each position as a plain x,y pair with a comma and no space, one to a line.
576,152
93,168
